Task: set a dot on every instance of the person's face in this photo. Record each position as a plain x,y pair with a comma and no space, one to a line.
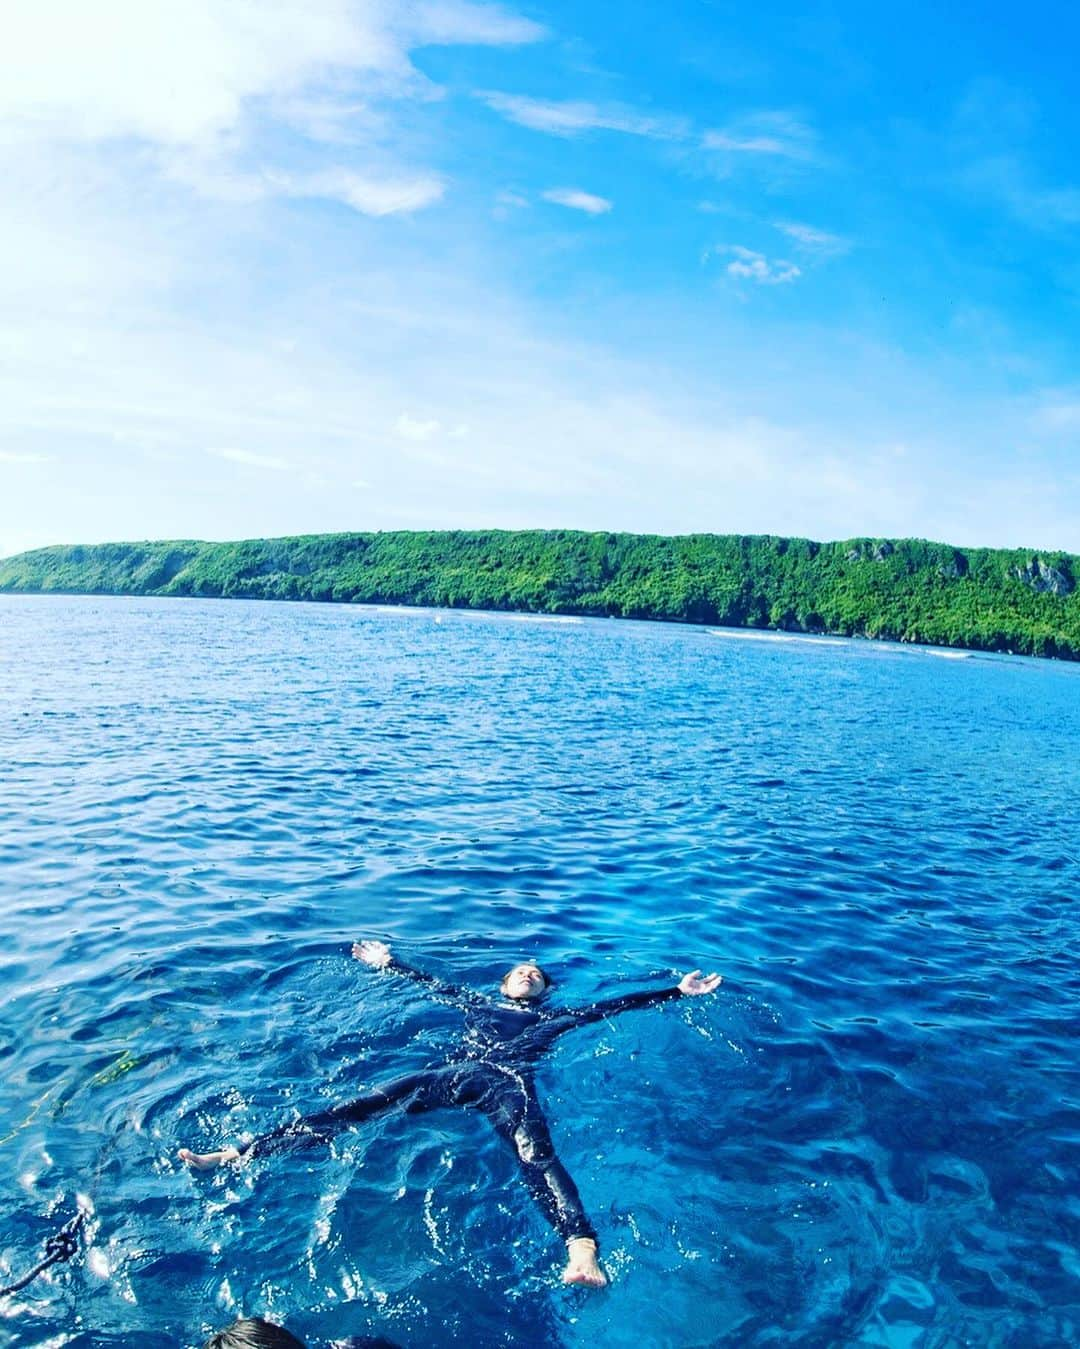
524,982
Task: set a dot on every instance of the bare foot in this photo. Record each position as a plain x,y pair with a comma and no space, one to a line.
206,1161
583,1266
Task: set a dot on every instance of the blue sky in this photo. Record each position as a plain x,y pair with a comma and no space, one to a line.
280,268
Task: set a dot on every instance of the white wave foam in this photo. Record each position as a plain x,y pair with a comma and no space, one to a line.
783,638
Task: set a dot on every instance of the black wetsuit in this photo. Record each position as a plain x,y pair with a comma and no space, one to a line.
493,1072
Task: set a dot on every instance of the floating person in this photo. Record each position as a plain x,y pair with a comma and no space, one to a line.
492,1072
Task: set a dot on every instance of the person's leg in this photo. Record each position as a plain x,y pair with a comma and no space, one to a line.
518,1117
418,1091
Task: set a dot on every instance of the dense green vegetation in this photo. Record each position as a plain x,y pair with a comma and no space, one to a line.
907,589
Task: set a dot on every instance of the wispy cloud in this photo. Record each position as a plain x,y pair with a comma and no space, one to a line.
19,457
252,460
994,144
448,22
817,242
573,118
777,134
1007,180
507,203
576,200
413,428
369,195
377,193
748,265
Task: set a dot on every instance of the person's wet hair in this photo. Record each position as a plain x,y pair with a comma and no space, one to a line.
252,1332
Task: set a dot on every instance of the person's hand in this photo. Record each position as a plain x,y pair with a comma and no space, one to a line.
375,953
694,983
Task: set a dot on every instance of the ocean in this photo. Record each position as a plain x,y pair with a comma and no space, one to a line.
868,1136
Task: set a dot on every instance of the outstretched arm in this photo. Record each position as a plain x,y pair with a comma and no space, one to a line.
379,956
691,985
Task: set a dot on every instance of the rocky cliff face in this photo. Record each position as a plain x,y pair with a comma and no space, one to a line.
1041,577
954,568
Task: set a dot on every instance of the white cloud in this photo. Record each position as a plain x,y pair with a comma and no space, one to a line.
814,240
777,134
751,266
368,195
170,73
577,200
754,145
573,118
195,91
18,457
180,74
410,428
375,193
443,22
252,460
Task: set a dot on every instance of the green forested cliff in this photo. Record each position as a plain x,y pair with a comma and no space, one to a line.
907,589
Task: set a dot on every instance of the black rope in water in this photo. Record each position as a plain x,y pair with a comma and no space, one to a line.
61,1245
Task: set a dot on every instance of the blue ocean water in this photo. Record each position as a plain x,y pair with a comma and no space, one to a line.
868,1136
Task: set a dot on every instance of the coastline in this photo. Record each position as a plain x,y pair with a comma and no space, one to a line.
910,591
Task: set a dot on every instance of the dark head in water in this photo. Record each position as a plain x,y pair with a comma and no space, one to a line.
524,982
252,1332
